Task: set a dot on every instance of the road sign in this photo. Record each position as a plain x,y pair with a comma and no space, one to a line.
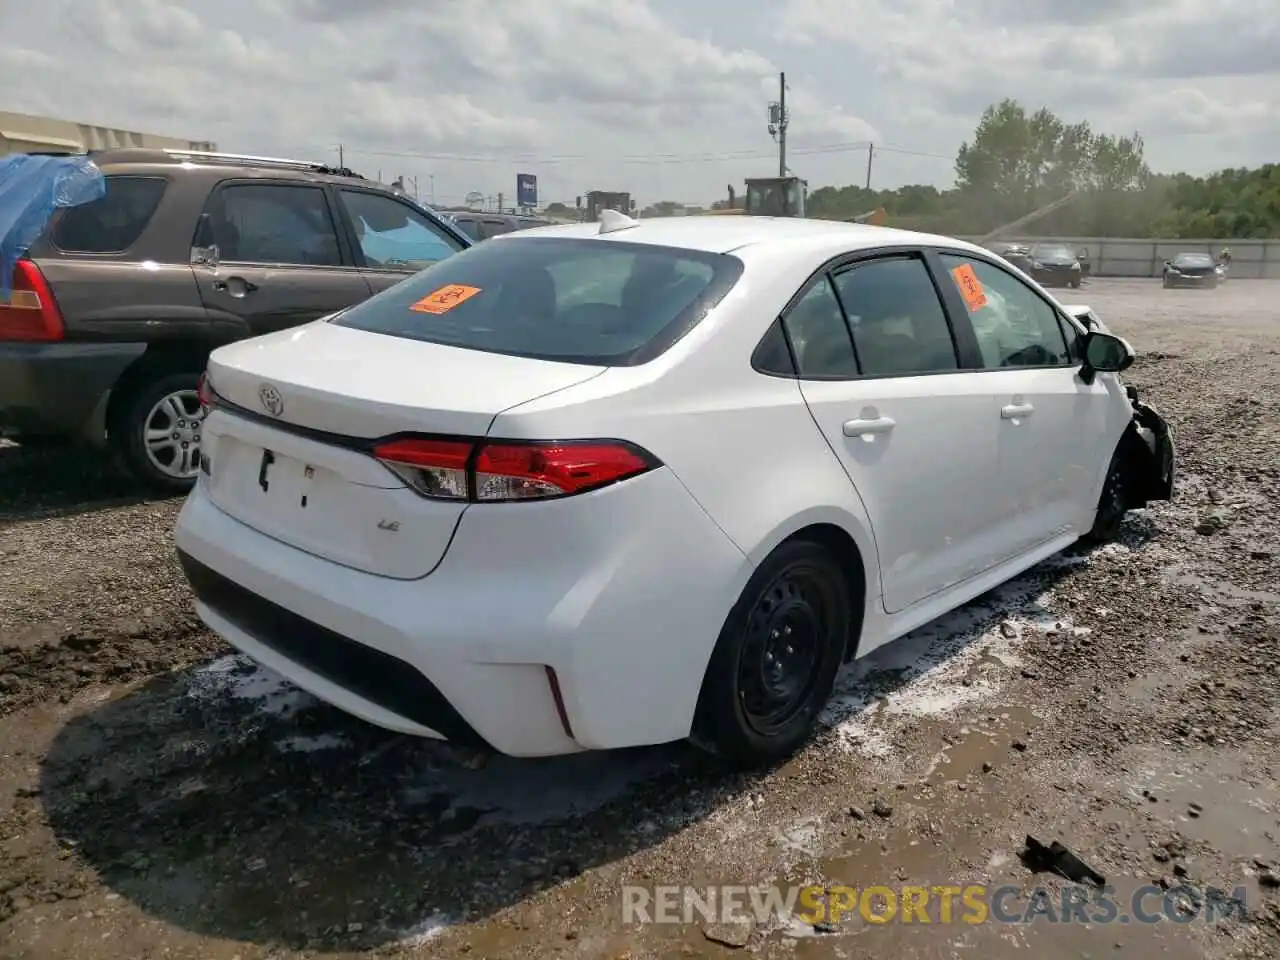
526,190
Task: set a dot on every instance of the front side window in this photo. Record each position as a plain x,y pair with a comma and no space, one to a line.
274,223
114,222
393,235
1015,326
575,300
899,325
819,335
468,227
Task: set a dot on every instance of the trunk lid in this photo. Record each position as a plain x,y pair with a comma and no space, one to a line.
302,483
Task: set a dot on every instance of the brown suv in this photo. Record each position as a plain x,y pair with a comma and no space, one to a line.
118,304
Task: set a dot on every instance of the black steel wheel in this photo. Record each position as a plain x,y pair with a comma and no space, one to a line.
777,657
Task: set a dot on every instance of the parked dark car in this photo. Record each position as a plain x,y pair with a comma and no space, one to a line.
482,226
123,298
1055,265
1190,270
1018,254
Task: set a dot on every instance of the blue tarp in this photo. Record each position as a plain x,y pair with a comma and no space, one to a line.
31,189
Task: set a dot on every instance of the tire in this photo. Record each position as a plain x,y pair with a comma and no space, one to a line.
144,407
1073,284
1164,282
1111,503
800,587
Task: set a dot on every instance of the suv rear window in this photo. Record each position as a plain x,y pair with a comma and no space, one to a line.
114,222
574,300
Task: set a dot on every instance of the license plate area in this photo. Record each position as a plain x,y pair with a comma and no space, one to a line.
304,504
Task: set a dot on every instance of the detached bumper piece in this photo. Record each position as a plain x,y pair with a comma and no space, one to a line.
376,676
1151,451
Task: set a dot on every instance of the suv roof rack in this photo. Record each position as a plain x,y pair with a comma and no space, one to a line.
249,159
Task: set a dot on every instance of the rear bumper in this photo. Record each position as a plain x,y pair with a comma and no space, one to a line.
621,593
60,389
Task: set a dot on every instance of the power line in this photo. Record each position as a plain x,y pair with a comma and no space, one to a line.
657,159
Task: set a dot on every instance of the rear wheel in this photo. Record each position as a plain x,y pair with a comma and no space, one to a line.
776,660
157,430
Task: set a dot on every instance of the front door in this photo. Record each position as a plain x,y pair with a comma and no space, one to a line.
278,261
880,372
393,238
1052,424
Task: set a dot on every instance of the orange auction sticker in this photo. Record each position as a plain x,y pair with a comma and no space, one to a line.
970,287
444,299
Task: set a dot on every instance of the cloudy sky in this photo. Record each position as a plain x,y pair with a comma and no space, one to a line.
665,98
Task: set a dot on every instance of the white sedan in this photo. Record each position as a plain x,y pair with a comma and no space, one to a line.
603,485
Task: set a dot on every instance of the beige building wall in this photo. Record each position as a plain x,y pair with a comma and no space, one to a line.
22,133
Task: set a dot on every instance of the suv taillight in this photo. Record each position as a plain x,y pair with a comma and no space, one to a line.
30,313
506,471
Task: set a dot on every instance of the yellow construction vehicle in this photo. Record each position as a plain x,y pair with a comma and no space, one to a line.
768,197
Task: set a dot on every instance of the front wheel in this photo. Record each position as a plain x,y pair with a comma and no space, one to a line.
1113,503
775,662
157,431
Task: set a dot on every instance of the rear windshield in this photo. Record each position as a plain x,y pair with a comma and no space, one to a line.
114,222
574,300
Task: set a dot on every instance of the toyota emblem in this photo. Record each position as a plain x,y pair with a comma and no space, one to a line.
272,402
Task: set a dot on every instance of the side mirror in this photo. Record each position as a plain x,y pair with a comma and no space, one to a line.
1105,353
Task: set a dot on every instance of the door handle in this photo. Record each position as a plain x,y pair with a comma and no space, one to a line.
235,286
1015,411
868,427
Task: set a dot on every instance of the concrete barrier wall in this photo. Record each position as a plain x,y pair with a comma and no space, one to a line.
1114,257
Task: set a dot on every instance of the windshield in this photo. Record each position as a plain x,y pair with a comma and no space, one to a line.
1054,252
1193,260
574,300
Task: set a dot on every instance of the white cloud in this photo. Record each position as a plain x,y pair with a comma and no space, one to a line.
667,99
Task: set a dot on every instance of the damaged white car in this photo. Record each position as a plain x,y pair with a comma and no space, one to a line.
603,485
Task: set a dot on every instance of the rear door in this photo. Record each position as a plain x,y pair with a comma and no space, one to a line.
392,238
881,373
280,262
1056,432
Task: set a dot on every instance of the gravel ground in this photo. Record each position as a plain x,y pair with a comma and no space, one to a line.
161,797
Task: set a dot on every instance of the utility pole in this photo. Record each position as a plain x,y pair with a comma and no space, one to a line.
341,164
499,203
782,124
871,152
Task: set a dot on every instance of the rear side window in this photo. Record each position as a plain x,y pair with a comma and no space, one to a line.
468,227
494,228
575,300
898,322
274,223
819,335
114,222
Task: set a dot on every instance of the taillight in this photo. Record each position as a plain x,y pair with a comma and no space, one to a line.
30,313
501,472
208,399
